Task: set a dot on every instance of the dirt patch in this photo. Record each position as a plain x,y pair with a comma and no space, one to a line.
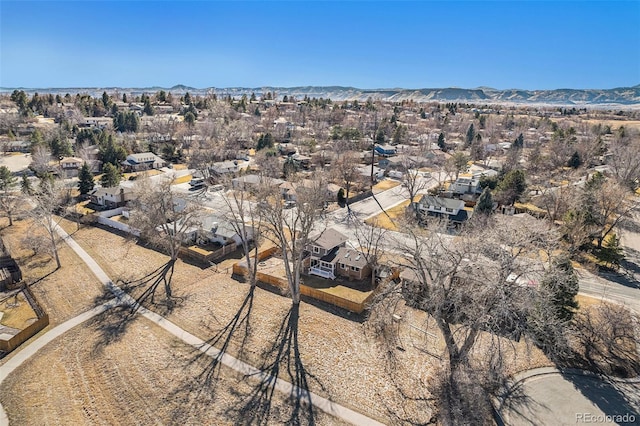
384,185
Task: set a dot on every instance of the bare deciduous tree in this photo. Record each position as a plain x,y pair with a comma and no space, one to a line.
291,229
474,287
244,218
371,239
164,220
47,202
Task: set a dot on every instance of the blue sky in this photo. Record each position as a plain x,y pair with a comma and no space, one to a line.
409,44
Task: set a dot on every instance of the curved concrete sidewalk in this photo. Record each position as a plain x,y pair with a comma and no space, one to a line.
24,354
318,401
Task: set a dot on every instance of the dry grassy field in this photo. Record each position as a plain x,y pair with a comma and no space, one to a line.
145,377
63,293
118,371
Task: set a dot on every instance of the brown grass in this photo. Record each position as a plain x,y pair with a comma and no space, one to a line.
387,221
146,377
63,293
384,185
17,312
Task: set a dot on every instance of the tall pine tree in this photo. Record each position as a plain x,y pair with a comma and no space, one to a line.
85,180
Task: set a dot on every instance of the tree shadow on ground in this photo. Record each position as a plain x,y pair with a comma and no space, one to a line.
114,323
516,402
603,393
202,390
281,361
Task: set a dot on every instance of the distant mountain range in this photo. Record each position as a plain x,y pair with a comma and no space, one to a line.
481,95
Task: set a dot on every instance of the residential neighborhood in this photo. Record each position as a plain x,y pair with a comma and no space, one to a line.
342,223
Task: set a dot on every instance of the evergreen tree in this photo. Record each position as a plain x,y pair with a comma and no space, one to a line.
6,178
60,147
124,98
575,161
519,142
25,185
105,99
189,118
265,141
85,177
148,109
441,142
471,134
109,152
560,284
512,187
110,176
485,203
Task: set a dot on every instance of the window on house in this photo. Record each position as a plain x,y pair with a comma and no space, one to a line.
449,210
316,249
342,266
356,269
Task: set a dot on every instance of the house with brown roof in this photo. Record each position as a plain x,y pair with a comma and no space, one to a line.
70,166
329,257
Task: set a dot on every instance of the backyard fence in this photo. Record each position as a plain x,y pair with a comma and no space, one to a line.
33,328
240,268
205,256
104,218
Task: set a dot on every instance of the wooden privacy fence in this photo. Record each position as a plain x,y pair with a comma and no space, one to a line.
33,328
209,255
281,283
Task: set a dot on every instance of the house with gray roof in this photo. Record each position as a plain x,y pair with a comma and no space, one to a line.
329,257
445,208
143,161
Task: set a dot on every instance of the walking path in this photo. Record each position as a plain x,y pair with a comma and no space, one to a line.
283,386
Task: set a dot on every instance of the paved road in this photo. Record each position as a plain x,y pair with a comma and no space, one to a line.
283,386
546,396
619,292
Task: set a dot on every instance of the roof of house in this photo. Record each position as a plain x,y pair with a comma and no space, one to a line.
143,157
71,160
256,179
217,225
386,147
329,238
450,203
350,257
111,191
459,217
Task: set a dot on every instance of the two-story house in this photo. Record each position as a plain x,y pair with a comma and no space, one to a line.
70,166
465,185
143,161
322,260
329,257
111,197
445,208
